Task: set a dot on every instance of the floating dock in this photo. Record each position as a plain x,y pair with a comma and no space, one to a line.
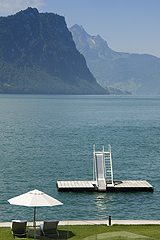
103,178
90,186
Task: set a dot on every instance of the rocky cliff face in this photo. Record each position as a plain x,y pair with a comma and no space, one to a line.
38,55
136,73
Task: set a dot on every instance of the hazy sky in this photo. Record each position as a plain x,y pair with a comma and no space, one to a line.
127,25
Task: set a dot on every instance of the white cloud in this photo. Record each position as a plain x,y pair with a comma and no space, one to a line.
8,7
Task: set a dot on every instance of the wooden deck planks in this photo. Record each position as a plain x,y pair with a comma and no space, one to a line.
134,184
75,184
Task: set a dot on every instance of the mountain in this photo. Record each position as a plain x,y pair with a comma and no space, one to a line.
136,73
38,55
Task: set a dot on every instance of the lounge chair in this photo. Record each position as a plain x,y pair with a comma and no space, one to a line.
49,228
19,228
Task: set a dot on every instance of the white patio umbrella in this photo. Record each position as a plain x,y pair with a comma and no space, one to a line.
34,198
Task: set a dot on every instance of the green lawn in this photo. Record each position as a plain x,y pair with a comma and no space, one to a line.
100,232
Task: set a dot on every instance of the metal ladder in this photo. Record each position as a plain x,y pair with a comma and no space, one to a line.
108,164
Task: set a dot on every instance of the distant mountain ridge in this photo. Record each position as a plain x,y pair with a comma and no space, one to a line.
136,73
38,55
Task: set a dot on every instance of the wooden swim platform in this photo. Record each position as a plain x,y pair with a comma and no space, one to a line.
103,180
119,186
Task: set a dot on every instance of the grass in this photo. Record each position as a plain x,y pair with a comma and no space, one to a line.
99,232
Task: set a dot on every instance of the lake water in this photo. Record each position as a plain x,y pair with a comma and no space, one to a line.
50,138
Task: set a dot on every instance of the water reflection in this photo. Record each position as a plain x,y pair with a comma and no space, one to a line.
102,202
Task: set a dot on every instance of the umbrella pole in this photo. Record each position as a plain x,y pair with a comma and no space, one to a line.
34,223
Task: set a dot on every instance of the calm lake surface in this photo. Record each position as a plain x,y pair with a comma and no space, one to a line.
50,138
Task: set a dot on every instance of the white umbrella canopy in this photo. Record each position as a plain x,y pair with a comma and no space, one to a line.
34,198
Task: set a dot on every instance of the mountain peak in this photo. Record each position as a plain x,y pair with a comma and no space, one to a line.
29,11
76,26
91,45
78,29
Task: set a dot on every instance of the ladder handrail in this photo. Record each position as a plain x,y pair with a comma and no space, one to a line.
109,148
94,152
